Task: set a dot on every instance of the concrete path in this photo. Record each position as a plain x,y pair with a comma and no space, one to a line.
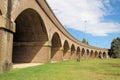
24,65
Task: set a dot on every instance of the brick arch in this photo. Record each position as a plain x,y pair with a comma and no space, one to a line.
56,41
73,54
78,52
78,49
87,51
66,54
83,52
91,53
100,54
104,55
73,47
29,38
30,18
96,54
56,54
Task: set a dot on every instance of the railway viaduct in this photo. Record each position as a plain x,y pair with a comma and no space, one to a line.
30,33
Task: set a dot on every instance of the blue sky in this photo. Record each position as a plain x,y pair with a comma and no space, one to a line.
96,20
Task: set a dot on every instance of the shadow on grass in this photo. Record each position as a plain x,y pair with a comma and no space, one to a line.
111,74
114,65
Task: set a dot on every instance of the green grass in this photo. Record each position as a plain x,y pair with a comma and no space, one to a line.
86,69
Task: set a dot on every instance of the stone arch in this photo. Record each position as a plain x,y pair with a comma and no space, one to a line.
78,52
56,51
29,38
83,52
91,53
96,54
87,51
104,55
66,54
100,54
78,49
73,54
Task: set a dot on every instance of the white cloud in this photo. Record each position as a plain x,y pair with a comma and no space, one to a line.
85,15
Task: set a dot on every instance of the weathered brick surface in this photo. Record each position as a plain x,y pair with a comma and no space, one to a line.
66,55
35,24
2,48
31,53
73,55
5,50
1,43
56,54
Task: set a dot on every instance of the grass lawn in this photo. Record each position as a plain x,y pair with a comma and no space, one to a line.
86,69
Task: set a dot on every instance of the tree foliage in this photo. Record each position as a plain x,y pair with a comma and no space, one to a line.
85,41
115,48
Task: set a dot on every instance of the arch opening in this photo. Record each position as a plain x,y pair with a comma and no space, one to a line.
100,54
55,49
78,49
78,53
66,55
104,55
91,53
96,54
87,53
73,55
83,52
29,38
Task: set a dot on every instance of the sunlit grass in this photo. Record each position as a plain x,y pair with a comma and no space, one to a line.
86,69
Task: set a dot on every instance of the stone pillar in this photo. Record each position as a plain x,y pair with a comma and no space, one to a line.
107,56
97,56
67,55
57,54
101,55
7,29
78,55
73,54
88,55
93,56
48,45
81,54
43,55
84,55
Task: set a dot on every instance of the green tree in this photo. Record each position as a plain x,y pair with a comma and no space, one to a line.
115,48
85,41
